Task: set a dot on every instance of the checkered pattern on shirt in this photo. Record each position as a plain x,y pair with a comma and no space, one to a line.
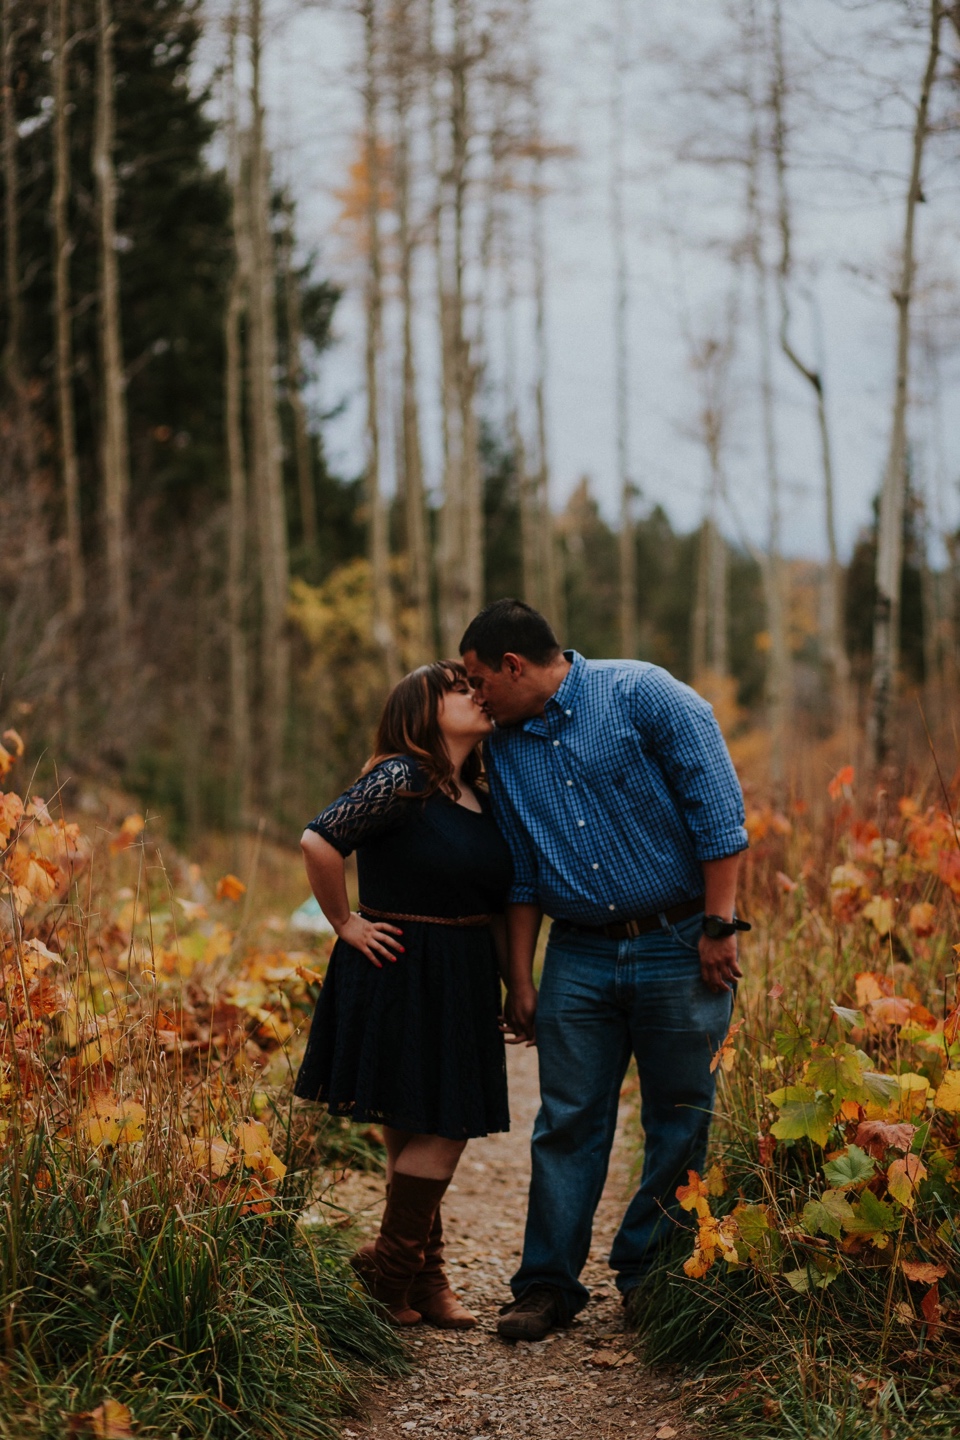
613,797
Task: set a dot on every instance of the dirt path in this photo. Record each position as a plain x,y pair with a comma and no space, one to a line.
579,1382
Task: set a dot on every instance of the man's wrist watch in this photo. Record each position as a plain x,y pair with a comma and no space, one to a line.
717,928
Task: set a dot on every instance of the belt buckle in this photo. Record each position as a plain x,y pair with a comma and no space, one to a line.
633,929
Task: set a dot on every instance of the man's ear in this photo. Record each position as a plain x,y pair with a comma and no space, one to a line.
513,664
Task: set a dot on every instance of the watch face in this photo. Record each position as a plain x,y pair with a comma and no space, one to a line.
716,929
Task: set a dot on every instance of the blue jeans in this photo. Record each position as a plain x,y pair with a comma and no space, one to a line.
599,1000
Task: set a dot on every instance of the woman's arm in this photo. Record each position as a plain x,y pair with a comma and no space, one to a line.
327,881
498,925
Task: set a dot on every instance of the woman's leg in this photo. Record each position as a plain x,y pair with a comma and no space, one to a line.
430,1160
432,1157
395,1141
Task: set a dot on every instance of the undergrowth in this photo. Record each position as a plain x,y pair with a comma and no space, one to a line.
156,1274
816,1292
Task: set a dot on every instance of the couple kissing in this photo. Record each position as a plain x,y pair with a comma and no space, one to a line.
518,782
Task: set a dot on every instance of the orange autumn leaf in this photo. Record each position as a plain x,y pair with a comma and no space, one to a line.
922,919
922,1271
11,811
693,1195
230,888
38,879
727,1055
130,831
903,1177
841,782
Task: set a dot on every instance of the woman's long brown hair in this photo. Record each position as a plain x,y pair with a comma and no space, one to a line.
410,725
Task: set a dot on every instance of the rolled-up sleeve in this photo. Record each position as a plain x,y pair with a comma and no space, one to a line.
681,732
524,888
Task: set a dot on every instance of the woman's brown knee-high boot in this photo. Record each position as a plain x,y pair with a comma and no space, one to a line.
431,1294
389,1267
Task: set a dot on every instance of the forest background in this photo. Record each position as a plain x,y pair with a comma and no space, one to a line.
195,604
200,611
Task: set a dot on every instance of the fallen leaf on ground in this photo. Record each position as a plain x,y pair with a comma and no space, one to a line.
667,1432
604,1359
923,1271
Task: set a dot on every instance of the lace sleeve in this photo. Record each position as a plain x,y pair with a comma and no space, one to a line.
373,805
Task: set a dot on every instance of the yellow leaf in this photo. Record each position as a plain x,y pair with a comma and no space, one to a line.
948,1093
103,1120
903,1177
230,888
716,1180
879,911
111,1421
252,1137
214,1157
134,1122
698,1264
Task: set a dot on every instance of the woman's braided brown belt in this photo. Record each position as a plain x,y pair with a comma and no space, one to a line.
466,921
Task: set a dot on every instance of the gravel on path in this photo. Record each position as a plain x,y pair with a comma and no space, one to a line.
584,1381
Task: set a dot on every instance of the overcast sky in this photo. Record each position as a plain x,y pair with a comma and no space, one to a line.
857,68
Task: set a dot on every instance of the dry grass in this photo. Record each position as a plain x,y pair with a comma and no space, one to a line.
154,1270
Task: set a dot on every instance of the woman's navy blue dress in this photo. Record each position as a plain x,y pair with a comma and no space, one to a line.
416,1044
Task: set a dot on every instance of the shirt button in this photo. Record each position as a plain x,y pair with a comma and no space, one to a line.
569,782
556,742
568,712
581,823
611,907
595,865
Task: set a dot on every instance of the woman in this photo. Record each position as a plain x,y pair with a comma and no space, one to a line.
406,1032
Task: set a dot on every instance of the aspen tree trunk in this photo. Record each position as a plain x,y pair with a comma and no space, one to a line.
377,536
470,589
890,537
240,735
267,459
461,554
549,566
301,436
628,553
11,218
418,564
931,614
63,352
778,677
718,652
529,547
114,442
835,647
701,602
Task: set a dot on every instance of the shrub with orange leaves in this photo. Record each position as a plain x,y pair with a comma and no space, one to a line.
836,1230
153,1177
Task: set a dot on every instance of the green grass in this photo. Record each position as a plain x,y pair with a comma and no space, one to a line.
205,1321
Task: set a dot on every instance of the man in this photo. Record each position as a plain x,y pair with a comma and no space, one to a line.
614,788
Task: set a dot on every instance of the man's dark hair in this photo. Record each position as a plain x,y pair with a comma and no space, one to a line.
510,625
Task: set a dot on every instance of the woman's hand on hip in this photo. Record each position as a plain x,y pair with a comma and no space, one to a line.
373,938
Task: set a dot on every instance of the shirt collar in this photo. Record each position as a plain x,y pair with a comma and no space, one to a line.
565,696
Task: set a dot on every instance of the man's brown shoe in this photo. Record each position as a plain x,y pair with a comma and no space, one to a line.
538,1311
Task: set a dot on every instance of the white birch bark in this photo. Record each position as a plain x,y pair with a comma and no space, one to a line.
266,451
890,536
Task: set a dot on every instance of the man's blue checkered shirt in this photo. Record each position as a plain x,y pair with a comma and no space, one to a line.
611,799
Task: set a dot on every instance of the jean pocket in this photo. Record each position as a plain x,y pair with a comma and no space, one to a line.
687,933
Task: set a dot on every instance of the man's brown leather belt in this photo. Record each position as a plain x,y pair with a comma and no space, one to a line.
643,924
